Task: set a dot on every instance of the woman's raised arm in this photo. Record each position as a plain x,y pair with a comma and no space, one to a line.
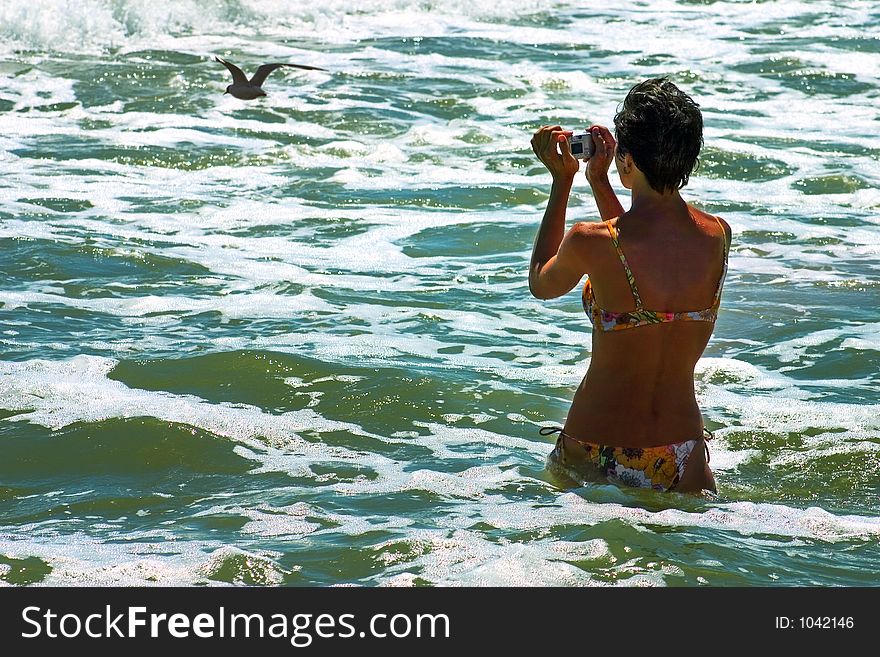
557,265
597,173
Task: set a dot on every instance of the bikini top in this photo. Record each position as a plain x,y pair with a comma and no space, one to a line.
608,320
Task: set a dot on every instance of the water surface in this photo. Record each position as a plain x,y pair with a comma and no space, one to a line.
291,341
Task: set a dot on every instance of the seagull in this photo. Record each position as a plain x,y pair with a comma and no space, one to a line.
245,89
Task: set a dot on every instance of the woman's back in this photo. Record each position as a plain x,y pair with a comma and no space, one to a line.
655,275
677,261
676,258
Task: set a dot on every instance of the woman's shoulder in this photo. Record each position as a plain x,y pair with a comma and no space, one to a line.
590,241
713,219
591,232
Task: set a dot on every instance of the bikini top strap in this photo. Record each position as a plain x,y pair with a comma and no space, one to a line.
724,269
629,275
723,236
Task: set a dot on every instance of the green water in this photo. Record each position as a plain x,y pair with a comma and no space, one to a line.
291,341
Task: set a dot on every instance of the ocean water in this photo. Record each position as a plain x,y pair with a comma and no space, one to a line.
291,341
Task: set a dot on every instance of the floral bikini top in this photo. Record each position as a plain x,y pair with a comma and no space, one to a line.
608,320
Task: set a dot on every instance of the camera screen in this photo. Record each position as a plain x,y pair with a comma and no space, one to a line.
577,148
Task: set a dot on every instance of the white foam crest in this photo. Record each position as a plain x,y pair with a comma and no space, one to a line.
858,336
232,306
336,22
49,24
782,273
493,443
173,137
431,180
865,199
382,152
464,558
472,483
853,444
214,127
827,60
34,89
101,24
746,518
451,556
387,476
386,348
95,25
279,457
469,560
733,373
530,331
56,394
738,372
271,521
77,559
784,413
213,251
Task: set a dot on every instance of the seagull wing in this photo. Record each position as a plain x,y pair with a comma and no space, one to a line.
263,72
306,68
238,76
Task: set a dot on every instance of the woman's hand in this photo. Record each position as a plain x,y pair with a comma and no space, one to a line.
562,166
603,154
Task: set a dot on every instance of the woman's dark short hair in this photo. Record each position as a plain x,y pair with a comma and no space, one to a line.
661,127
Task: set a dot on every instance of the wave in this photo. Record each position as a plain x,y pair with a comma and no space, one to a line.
100,25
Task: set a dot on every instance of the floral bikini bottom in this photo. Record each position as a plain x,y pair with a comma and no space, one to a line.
659,467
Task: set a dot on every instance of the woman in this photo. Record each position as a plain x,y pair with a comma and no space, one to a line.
655,277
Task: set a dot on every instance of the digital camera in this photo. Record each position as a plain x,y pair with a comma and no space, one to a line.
582,146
